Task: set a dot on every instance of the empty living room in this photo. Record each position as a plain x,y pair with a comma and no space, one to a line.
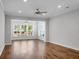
39,29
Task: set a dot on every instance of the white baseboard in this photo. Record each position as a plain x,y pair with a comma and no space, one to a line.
64,46
2,50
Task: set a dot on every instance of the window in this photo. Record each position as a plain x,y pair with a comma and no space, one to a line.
23,29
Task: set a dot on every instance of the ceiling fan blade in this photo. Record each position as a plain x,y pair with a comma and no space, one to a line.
40,12
43,12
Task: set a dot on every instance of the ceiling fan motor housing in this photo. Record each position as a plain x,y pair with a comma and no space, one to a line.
37,12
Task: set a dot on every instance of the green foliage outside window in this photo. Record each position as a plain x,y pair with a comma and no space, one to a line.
29,28
25,28
17,27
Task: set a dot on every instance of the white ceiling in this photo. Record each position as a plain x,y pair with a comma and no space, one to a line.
13,6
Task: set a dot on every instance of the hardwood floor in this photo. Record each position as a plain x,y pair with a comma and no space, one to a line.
35,49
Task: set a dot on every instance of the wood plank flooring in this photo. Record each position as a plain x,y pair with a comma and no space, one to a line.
35,49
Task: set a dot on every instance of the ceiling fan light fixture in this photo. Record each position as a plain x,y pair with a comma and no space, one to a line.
43,14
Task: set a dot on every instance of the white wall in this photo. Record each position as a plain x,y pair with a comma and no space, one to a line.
8,19
2,29
64,30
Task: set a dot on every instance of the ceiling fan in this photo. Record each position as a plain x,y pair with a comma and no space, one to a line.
38,12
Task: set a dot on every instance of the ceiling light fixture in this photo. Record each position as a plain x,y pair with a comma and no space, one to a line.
59,6
25,0
43,14
19,11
